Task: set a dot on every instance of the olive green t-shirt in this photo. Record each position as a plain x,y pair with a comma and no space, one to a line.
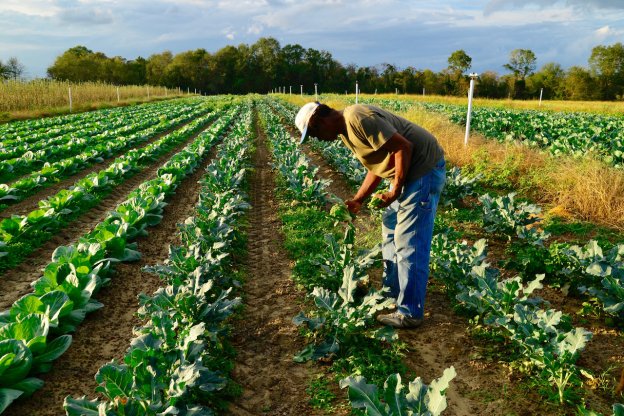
369,127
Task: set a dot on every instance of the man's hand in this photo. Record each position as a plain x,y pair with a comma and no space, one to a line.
353,206
388,197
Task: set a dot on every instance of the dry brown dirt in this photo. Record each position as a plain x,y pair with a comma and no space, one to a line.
265,338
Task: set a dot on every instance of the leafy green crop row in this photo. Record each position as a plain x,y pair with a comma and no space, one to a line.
342,327
175,364
24,187
33,331
53,211
94,123
21,133
93,143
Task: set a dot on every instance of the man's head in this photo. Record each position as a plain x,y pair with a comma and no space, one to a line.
318,120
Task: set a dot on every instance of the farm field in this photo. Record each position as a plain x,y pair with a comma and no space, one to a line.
188,257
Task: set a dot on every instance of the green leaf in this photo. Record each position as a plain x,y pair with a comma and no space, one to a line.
27,305
28,386
115,381
393,395
83,407
364,396
435,399
54,349
18,364
8,396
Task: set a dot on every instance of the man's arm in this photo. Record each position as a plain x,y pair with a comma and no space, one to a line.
371,181
401,150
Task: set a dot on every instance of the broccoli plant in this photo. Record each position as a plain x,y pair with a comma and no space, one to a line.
506,216
394,398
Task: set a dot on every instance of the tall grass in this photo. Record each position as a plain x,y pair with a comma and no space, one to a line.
586,188
20,96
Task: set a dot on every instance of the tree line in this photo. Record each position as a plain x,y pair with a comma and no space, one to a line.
267,66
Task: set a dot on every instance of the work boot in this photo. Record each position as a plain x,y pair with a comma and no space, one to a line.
399,320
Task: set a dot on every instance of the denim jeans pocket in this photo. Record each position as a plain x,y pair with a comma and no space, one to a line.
424,203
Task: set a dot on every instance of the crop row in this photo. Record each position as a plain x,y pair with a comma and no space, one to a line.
341,327
53,212
14,146
175,364
30,131
51,172
21,160
34,331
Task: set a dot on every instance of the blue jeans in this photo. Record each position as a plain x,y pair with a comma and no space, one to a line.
407,232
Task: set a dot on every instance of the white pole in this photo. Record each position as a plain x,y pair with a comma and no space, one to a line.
473,76
396,90
290,90
315,92
118,94
375,91
301,87
541,92
357,91
70,100
423,91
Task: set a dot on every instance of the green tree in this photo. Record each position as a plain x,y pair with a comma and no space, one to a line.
607,64
77,64
490,86
4,74
551,77
14,69
521,63
580,85
156,66
459,61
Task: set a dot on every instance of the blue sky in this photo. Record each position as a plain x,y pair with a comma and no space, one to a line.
420,33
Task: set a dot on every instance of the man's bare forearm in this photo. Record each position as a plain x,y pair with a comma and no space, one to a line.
371,181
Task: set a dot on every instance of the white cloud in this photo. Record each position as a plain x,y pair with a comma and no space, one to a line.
255,29
229,33
606,32
30,7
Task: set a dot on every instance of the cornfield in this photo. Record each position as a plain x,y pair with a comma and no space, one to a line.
45,94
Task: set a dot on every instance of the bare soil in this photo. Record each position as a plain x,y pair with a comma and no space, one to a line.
106,333
16,282
265,337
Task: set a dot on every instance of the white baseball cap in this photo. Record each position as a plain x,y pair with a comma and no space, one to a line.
302,119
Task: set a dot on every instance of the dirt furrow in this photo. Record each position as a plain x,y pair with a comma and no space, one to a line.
265,338
106,333
32,202
16,282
